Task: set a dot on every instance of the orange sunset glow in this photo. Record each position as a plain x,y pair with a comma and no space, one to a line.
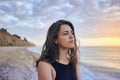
100,42
106,33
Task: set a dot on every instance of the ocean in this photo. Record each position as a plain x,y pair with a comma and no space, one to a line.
97,63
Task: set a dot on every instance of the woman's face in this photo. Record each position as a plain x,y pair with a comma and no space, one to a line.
65,37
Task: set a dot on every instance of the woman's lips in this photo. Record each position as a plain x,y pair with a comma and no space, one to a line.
72,41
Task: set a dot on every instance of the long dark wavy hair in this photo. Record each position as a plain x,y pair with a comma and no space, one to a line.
50,50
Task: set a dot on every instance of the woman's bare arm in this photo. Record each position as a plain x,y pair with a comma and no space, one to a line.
44,71
78,72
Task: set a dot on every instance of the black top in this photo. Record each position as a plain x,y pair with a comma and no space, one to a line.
64,72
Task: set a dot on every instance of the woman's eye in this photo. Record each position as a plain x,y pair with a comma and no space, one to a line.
65,33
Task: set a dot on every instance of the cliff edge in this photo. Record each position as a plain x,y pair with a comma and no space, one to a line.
7,39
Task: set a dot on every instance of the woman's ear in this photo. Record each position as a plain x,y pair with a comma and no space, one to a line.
55,41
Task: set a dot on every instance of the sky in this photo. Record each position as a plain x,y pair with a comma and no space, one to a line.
96,22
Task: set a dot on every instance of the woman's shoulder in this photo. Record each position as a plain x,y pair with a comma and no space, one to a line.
44,64
46,69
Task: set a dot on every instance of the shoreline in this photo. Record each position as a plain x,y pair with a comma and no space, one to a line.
94,72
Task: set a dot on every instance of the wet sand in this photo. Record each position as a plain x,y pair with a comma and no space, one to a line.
93,72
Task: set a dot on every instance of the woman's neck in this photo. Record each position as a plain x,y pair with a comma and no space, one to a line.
63,56
63,53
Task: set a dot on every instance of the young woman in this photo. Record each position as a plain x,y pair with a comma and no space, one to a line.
59,60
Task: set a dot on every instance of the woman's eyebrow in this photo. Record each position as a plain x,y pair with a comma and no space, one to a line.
68,31
65,31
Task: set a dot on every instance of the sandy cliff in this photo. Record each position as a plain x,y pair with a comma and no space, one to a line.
6,39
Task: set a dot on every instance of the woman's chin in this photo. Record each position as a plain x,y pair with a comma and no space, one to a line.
71,46
68,46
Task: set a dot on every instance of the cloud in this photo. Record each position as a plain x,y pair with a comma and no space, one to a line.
43,10
8,18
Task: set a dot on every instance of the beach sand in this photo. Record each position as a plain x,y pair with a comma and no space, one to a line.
17,63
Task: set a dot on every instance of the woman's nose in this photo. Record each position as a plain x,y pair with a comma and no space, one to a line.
71,36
